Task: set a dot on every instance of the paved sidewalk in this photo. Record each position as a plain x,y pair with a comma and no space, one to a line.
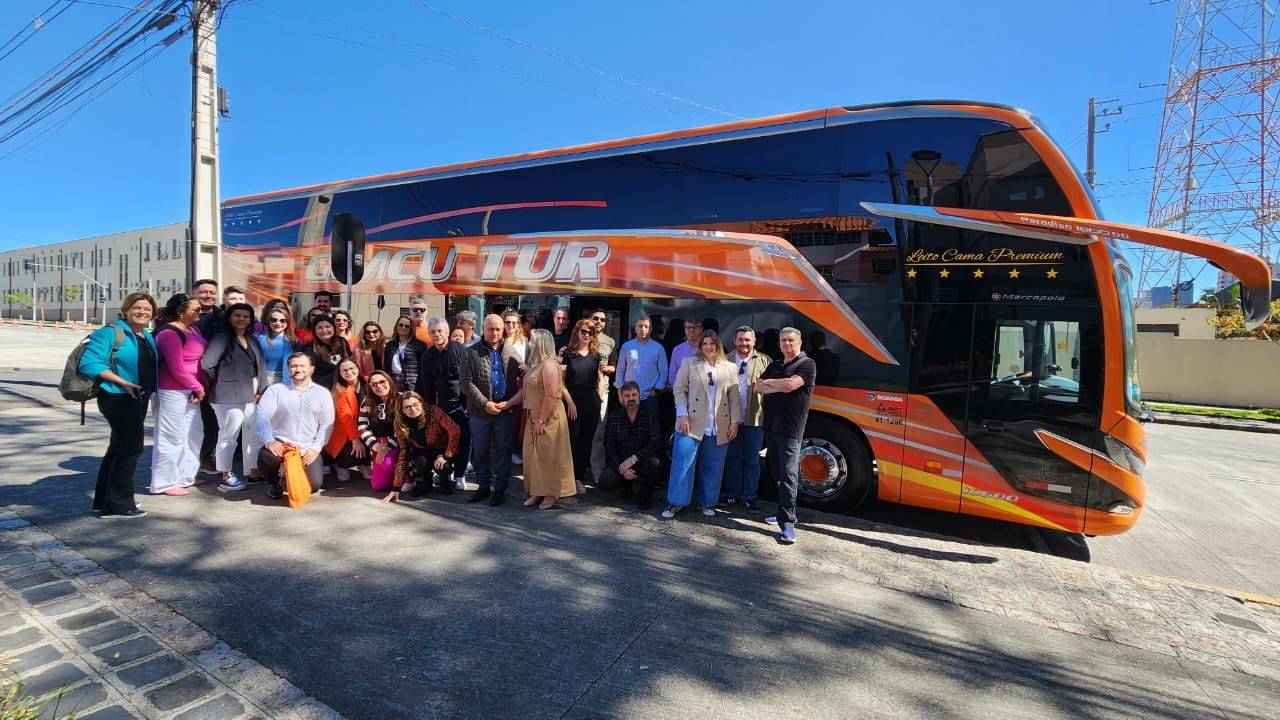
85,641
1217,423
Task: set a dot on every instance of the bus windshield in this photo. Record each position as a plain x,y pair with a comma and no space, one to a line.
1124,287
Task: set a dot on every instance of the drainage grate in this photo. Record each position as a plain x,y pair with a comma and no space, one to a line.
1242,623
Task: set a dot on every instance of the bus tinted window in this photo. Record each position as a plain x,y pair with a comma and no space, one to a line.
792,175
637,191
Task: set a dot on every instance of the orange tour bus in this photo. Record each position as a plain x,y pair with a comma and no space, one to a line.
968,309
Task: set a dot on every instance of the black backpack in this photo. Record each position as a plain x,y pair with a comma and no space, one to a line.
75,385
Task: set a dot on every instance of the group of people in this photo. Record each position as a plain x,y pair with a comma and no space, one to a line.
415,410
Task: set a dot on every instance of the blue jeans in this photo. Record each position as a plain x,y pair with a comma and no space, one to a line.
708,457
742,464
492,434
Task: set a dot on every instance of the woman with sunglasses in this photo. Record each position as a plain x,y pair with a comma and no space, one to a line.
345,450
342,328
403,354
708,412
370,350
326,350
583,373
376,427
178,430
277,341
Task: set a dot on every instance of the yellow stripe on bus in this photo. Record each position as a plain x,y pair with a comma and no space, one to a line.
953,487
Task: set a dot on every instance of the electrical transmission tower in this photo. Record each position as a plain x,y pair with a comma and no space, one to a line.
1216,167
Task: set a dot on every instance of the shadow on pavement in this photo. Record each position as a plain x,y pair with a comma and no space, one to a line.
442,609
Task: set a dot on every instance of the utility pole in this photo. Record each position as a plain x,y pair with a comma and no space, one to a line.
204,249
1089,172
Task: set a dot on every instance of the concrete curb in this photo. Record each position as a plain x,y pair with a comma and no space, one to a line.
1255,426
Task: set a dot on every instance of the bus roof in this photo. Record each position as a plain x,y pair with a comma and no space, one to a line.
817,118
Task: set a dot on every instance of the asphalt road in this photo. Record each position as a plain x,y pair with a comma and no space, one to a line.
1212,514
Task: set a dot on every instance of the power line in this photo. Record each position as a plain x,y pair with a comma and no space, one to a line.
576,63
68,82
38,23
450,59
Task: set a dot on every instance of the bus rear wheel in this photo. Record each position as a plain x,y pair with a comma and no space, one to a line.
835,470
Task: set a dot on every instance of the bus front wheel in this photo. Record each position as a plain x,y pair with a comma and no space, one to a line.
835,470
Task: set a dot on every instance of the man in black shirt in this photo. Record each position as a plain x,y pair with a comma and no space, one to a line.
632,444
560,331
787,387
440,383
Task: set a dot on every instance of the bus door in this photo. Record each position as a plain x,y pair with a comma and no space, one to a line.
615,308
1035,372
937,406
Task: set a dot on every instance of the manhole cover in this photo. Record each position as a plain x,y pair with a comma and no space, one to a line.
1237,621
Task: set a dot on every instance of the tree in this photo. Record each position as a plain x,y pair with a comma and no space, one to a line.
1209,297
20,299
1229,323
71,293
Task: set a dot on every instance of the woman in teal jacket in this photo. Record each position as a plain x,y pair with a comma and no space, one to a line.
126,384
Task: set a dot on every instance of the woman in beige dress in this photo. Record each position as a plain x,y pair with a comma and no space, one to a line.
548,459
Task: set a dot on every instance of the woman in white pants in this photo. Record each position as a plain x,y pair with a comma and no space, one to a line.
237,374
175,456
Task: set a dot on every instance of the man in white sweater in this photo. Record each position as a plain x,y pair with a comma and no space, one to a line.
297,416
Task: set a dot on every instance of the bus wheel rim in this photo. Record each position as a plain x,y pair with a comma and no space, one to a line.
824,470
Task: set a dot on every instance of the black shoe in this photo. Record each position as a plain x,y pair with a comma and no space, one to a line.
447,488
643,505
134,513
498,498
422,488
276,492
478,495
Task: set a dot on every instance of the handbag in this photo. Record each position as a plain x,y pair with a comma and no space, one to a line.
382,474
295,478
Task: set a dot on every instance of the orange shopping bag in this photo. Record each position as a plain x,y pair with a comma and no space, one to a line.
295,478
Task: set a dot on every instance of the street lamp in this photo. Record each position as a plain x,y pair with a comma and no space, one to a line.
933,157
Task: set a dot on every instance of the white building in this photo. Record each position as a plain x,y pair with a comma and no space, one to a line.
68,278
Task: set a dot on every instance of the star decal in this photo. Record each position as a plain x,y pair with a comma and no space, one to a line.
1052,273
945,273
1014,273
977,273
911,273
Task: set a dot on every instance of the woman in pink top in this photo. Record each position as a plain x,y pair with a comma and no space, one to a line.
175,456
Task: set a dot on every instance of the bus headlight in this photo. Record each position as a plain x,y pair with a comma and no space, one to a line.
1124,456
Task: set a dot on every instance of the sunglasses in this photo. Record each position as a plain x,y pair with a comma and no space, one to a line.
378,383
278,321
598,318
742,368
403,327
417,311
586,332
371,332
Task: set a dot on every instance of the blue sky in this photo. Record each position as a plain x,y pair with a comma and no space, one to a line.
323,90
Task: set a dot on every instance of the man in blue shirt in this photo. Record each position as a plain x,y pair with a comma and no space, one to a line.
488,378
643,360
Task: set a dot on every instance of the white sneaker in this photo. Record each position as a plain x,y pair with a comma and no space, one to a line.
232,484
671,511
708,512
460,483
343,474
